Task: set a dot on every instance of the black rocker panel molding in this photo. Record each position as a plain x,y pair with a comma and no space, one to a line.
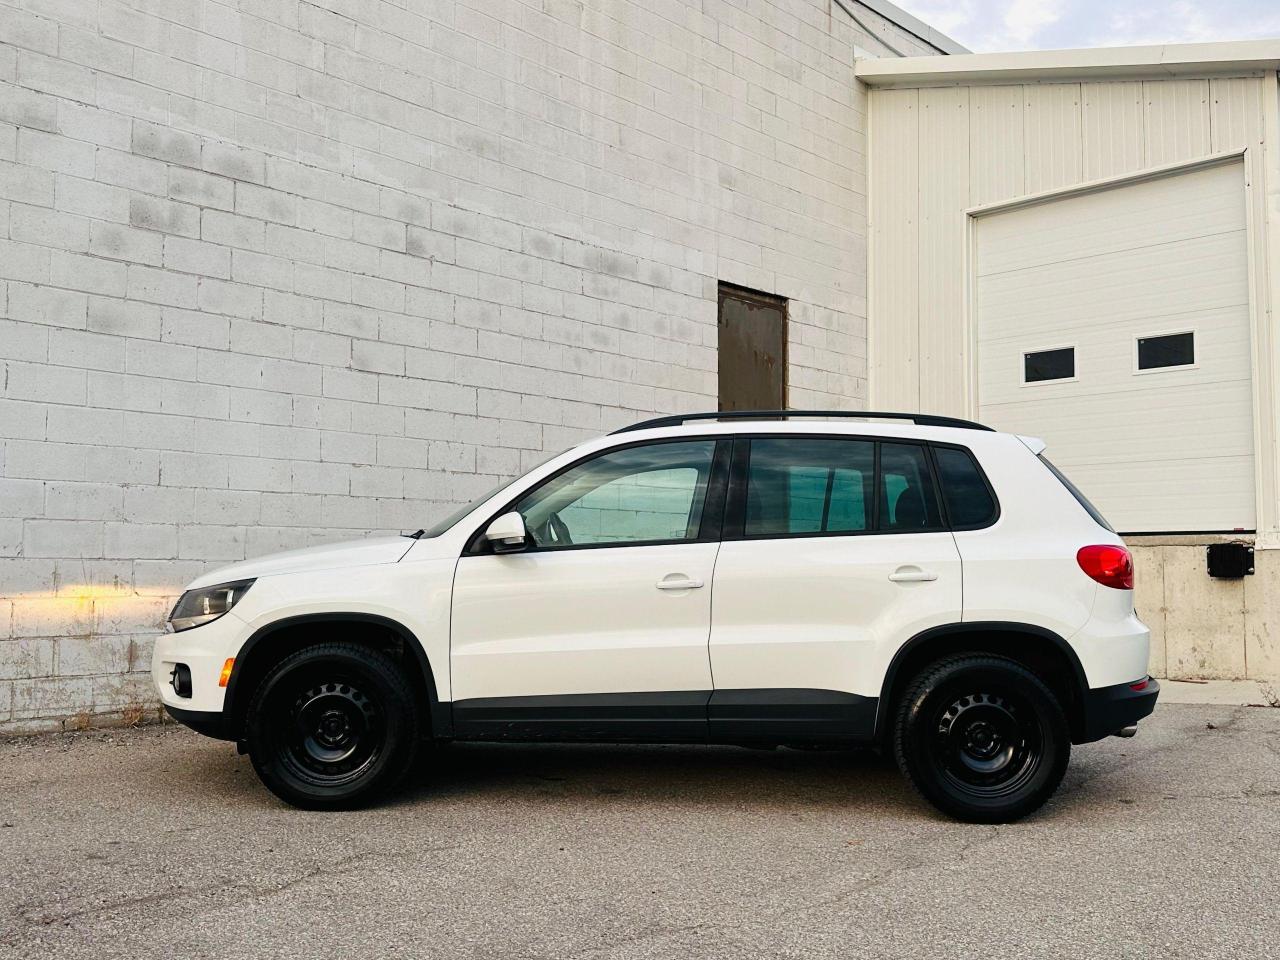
686,716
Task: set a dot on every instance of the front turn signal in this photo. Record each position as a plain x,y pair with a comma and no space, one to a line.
225,676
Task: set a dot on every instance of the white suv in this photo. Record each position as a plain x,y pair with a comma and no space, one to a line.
801,578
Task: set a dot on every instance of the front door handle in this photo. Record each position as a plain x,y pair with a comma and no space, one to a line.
677,582
912,574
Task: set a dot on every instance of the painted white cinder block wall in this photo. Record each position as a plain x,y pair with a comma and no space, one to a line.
285,272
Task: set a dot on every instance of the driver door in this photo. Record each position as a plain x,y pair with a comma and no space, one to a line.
599,628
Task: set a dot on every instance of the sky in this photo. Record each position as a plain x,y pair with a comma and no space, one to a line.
986,26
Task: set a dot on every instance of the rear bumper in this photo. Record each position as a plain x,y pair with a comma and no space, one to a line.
1108,709
208,722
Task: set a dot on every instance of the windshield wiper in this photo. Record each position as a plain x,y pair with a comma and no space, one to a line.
416,535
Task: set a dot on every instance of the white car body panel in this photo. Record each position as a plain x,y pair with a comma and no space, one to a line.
329,556
204,649
582,621
1023,569
820,613
413,595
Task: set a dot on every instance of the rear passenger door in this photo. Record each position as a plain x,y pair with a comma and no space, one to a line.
835,552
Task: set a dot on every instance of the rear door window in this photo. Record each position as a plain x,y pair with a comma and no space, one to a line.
908,501
798,485
811,486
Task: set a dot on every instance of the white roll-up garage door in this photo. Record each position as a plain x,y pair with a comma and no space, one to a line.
1115,325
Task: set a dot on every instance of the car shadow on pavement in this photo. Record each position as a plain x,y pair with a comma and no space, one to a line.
654,776
658,775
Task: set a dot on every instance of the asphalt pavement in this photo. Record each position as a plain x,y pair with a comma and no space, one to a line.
159,843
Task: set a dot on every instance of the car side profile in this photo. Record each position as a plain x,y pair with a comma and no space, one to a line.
920,584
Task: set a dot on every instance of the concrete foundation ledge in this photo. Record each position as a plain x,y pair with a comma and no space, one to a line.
1244,693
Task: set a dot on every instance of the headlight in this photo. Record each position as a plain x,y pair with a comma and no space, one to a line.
196,607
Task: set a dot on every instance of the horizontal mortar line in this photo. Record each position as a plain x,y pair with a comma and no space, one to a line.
397,313
355,178
435,81
731,143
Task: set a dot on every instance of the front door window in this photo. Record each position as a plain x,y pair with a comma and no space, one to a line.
647,494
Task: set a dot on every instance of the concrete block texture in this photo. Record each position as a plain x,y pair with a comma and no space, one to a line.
343,270
1204,628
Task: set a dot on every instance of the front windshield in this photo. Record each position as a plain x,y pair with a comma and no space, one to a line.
442,526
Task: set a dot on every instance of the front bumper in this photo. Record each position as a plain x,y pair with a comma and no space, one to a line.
204,650
1109,709
208,722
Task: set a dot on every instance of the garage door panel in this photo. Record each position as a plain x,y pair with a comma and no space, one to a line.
1106,359
1228,325
1181,278
1097,427
1181,208
1158,450
1145,497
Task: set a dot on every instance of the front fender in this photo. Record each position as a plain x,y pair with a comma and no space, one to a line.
412,599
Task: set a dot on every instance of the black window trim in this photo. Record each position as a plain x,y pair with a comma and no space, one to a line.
713,506
982,474
736,502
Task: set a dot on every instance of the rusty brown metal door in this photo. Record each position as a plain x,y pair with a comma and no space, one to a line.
752,350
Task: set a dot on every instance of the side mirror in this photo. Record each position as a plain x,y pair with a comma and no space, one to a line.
507,533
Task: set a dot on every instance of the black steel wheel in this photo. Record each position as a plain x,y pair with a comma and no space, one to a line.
332,726
982,738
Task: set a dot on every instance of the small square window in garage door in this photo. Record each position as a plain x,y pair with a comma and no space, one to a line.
1170,350
1044,365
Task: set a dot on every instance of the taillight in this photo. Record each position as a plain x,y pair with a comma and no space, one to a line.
1110,565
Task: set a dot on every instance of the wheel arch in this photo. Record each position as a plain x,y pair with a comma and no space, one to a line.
1043,652
256,657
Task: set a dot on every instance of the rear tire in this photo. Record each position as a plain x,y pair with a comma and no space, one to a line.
981,738
332,727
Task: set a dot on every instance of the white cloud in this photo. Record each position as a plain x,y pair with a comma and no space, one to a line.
989,25
1024,20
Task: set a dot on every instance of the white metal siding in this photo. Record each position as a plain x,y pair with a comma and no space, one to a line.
1008,141
1168,450
986,143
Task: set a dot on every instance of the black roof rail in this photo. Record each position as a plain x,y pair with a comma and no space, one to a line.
920,419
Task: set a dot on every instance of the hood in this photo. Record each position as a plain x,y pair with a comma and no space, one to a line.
329,556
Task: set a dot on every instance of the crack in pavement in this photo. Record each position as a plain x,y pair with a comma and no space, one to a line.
881,877
37,916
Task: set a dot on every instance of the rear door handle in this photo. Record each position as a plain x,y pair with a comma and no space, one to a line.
910,574
678,583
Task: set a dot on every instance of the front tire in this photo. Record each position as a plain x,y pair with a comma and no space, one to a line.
982,738
332,727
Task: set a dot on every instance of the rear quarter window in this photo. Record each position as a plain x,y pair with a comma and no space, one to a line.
970,503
